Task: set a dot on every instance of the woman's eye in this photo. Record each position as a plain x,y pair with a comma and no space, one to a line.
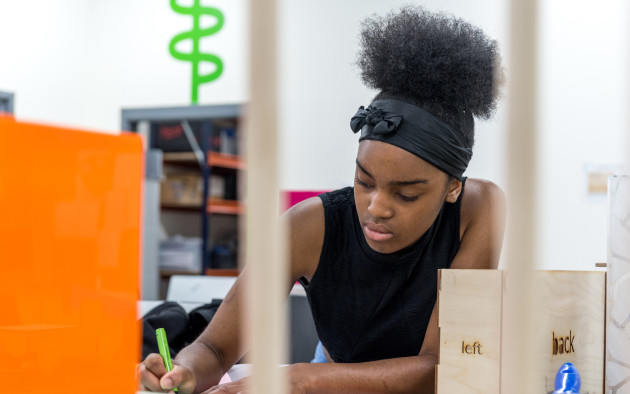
361,183
408,198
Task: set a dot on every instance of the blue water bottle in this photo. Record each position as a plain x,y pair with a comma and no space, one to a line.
567,380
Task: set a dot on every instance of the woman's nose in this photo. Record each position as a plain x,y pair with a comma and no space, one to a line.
380,206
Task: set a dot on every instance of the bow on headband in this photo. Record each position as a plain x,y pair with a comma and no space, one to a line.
382,124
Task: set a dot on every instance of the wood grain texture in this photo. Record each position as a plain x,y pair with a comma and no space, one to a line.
570,303
469,310
265,323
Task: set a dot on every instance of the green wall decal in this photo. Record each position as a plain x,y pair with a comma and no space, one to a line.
196,10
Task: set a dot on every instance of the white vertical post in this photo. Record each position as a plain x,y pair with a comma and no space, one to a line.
518,374
267,283
618,286
618,271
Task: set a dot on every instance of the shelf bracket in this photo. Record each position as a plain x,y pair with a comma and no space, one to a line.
193,143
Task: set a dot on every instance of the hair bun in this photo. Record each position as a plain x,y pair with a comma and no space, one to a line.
432,58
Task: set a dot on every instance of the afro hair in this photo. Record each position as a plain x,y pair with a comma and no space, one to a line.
434,61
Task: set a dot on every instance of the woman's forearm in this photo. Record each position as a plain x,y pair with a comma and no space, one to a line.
204,362
398,375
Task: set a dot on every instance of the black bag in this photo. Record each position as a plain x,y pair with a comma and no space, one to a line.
181,328
199,318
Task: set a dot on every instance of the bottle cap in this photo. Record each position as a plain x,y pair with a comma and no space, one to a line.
567,380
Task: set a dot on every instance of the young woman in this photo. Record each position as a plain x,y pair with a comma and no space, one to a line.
368,255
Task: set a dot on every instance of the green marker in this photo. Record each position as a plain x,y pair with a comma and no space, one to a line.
164,352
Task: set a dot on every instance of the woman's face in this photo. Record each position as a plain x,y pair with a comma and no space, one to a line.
398,195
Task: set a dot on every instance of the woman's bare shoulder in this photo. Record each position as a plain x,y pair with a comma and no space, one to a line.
479,196
482,225
305,225
481,200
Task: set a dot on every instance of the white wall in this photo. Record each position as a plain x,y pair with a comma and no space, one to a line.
583,117
78,62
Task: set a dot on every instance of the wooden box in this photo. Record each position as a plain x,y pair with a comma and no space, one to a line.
569,327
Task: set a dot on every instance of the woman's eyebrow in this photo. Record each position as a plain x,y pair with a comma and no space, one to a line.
397,183
363,169
407,183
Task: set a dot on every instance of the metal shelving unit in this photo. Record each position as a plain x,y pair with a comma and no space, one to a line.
6,102
145,120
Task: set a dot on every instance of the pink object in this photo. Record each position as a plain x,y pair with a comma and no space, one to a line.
292,197
225,379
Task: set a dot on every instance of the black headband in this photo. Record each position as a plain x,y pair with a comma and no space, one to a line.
415,130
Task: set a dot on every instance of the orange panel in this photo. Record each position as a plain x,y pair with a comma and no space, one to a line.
69,259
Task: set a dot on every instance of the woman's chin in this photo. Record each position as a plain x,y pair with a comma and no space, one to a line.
381,246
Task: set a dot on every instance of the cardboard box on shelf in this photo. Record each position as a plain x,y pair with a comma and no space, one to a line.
182,189
217,187
181,253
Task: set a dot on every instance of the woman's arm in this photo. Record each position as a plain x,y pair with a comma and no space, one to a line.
397,375
220,345
203,363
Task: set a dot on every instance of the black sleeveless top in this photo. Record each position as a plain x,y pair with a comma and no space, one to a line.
372,306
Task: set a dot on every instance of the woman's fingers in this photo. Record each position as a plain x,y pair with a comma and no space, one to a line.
153,376
179,377
150,371
154,364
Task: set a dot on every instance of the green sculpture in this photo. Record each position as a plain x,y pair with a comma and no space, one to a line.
196,10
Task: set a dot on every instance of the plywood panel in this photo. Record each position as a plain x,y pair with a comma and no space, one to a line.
570,327
469,310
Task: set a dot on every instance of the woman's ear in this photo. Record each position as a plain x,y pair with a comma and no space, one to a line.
452,190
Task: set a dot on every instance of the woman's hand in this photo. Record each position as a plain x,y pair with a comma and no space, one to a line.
237,387
153,376
297,383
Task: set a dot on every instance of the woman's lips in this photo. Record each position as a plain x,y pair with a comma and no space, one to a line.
377,233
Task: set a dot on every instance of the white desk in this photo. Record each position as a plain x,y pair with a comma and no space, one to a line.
144,306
